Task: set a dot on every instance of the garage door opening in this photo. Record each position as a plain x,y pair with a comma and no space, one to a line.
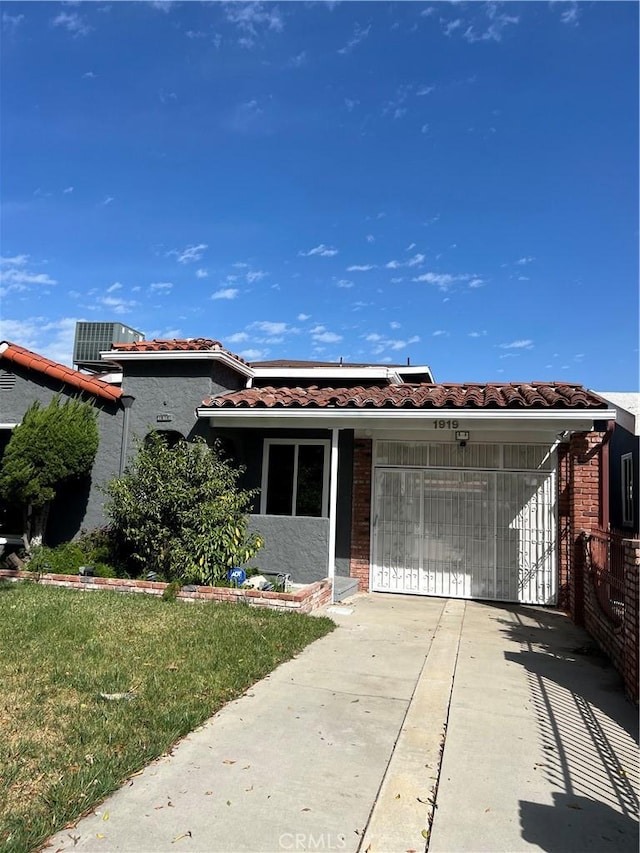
465,532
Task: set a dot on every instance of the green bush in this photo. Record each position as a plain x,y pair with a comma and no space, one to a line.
178,511
66,559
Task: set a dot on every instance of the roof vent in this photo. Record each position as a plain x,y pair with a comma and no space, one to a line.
7,381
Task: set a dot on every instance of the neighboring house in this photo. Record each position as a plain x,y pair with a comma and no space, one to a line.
377,475
624,462
26,377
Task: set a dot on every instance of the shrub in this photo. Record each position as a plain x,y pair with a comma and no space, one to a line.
66,559
178,511
52,446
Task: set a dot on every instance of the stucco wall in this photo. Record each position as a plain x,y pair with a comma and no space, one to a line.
299,546
81,503
168,392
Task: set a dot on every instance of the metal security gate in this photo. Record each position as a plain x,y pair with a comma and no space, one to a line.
465,533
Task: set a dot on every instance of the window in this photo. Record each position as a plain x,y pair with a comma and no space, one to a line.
626,477
295,477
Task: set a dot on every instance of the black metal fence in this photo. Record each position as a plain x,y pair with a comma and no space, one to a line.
605,559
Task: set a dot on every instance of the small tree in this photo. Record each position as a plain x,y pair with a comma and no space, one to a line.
178,511
52,446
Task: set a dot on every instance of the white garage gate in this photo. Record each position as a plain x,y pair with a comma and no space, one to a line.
472,522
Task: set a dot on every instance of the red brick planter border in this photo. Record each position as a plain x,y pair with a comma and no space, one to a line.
302,601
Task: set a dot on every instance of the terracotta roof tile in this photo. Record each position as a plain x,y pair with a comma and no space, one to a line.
176,345
537,395
54,370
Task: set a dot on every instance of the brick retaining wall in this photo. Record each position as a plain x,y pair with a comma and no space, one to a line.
302,601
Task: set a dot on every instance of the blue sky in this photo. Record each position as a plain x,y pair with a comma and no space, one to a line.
454,183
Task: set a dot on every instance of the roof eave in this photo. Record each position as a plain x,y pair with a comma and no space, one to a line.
184,355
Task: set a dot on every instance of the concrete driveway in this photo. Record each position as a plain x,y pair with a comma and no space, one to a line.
487,712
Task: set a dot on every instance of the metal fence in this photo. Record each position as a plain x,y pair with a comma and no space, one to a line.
605,556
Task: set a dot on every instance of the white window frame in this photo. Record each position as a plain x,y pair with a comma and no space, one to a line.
296,442
626,483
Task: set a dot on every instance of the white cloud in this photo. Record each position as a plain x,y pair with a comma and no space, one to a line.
88,75
439,332
16,277
359,35
162,5
107,200
252,19
238,338
520,344
394,324
303,317
452,26
201,273
523,261
117,304
323,336
271,328
115,286
370,238
11,22
498,23
299,60
478,334
253,354
570,15
255,275
351,104
226,293
443,280
72,22
51,338
424,128
410,247
67,190
190,254
415,261
161,286
361,267
321,250
344,282
425,90
476,282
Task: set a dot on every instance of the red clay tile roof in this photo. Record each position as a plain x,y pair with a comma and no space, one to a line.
176,345
537,395
81,381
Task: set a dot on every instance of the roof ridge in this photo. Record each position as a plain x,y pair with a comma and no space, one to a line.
34,361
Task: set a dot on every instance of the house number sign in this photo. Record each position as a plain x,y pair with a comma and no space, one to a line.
164,418
446,424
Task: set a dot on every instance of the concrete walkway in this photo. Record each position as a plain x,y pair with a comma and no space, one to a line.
522,742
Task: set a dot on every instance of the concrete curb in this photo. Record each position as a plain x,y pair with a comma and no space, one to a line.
401,816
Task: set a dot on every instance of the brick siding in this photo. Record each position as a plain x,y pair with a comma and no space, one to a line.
361,512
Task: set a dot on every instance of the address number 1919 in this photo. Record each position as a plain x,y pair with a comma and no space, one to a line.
445,424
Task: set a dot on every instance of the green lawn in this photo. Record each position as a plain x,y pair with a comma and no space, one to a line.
62,747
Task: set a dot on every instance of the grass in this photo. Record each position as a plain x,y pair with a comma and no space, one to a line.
63,748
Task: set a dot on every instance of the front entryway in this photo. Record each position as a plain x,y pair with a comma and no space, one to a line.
465,532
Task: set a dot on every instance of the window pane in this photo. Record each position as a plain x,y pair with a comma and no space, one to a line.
310,475
280,479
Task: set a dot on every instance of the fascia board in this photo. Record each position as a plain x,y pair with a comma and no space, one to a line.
377,419
182,355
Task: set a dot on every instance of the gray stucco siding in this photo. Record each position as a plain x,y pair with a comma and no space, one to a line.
246,446
167,393
299,546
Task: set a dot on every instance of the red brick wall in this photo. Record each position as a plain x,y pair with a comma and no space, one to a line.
361,512
584,512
